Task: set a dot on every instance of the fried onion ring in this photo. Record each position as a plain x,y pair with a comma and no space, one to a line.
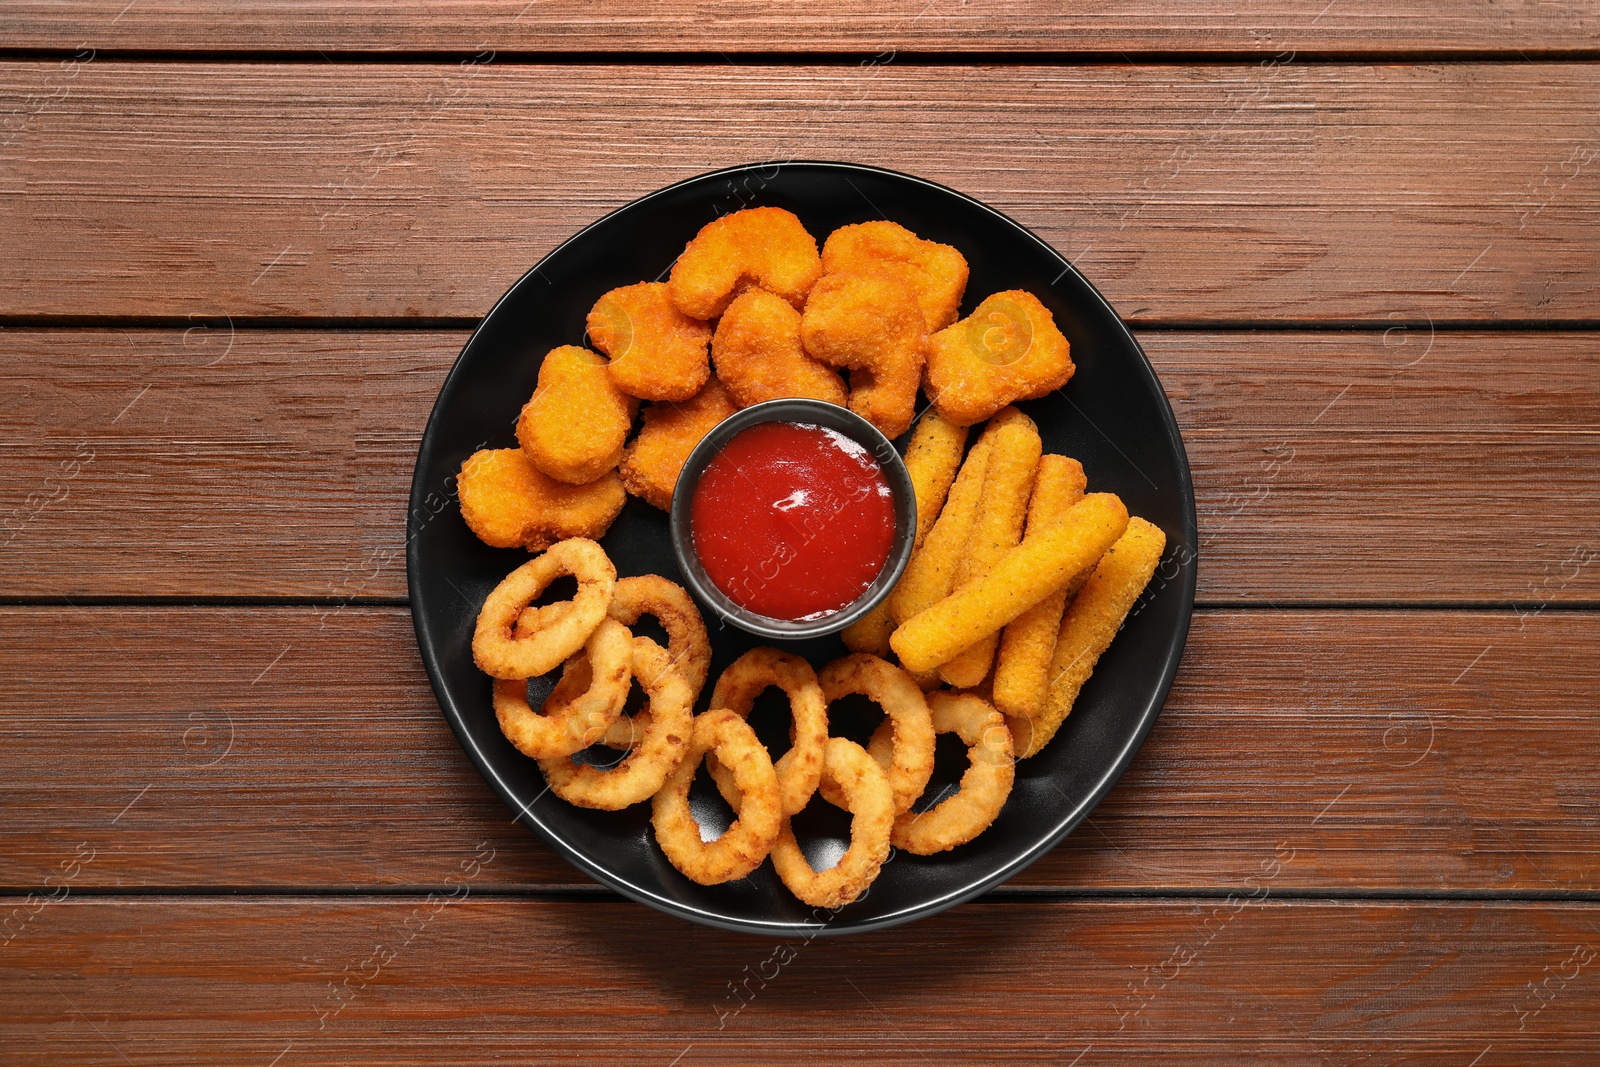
746,843
687,643
584,703
897,693
864,791
800,768
991,769
663,738
502,654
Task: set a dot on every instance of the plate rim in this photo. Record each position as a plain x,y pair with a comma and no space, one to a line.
1018,863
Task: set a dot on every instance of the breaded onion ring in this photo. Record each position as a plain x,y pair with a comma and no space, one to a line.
688,646
864,791
985,785
800,768
746,843
662,741
897,693
501,654
584,703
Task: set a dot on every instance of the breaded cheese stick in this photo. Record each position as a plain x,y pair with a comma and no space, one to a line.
1041,564
932,571
1091,621
932,459
998,527
1022,667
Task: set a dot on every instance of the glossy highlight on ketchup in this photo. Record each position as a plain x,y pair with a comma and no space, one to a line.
792,521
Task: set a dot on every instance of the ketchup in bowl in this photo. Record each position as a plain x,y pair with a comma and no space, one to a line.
792,521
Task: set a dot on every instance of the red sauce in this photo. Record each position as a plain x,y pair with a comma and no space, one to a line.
792,521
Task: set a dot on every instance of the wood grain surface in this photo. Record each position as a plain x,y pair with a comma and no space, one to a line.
262,747
475,980
241,246
1267,192
276,463
1367,27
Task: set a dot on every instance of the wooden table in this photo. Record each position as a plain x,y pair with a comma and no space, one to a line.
242,244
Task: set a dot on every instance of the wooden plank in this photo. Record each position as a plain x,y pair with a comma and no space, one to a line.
1353,26
1328,467
1275,191
177,981
247,747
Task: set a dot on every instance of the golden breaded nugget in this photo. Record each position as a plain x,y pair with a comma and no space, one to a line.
1091,621
1013,460
1022,668
574,426
652,463
929,575
1008,349
759,246
508,502
657,352
1041,564
871,324
936,273
758,354
932,459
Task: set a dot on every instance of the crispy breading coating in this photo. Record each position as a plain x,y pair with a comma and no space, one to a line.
652,462
1091,621
657,352
862,788
991,770
931,573
1007,483
870,323
1008,349
932,459
574,426
742,846
936,273
507,502
764,247
1022,668
759,357
1041,564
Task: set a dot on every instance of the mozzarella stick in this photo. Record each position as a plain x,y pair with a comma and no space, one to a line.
1013,461
1041,564
929,575
1092,620
1022,668
932,459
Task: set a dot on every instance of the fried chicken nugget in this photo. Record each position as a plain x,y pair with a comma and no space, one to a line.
651,464
936,273
759,246
507,502
657,352
870,323
759,357
574,426
1008,349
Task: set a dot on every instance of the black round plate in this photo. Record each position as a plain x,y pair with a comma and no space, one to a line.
1113,416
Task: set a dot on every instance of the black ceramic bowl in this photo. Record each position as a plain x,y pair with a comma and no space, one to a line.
1112,416
817,413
